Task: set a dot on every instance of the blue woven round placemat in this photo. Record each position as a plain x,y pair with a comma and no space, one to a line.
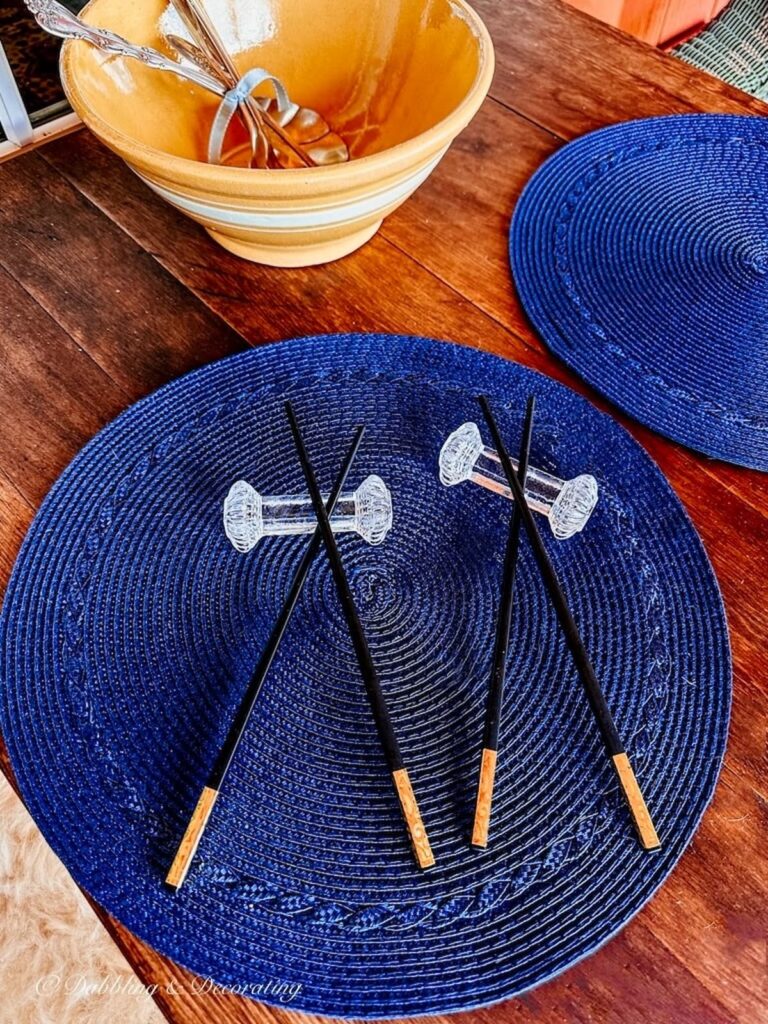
130,627
640,253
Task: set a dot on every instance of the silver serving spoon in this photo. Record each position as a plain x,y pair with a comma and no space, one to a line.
59,21
306,128
203,31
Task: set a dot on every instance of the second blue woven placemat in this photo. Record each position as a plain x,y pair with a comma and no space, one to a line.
640,253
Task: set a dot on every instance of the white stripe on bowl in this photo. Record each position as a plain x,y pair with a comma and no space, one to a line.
287,219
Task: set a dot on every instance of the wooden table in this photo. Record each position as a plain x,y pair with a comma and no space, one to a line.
106,293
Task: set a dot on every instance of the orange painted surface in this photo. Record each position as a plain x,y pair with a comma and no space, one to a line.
653,21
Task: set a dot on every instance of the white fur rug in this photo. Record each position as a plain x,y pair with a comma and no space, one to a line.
58,964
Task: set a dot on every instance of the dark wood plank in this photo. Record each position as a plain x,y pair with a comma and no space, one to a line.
142,327
55,397
456,224
336,297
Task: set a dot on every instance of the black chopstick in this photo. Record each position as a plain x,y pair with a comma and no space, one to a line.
202,812
410,808
487,775
637,807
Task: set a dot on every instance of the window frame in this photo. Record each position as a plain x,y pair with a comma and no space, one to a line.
24,131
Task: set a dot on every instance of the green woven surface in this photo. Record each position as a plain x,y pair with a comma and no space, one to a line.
734,47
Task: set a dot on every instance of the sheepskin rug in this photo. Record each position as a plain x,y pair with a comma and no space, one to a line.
58,964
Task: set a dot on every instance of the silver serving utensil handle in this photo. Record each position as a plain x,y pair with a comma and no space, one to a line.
304,126
195,55
58,21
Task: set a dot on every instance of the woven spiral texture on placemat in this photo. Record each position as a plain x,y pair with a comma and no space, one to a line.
640,253
130,628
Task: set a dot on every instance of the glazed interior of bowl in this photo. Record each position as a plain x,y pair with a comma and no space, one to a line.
380,71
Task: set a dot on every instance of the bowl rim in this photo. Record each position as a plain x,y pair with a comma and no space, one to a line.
185,170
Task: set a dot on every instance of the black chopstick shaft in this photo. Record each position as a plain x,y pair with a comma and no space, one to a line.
385,728
362,651
506,601
619,758
265,661
204,807
487,773
567,623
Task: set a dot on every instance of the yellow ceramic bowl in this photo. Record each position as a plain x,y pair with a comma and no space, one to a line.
398,79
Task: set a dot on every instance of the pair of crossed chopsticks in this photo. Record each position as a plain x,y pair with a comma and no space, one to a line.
521,513
324,535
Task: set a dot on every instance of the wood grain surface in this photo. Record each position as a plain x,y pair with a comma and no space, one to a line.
107,293
422,851
484,802
191,838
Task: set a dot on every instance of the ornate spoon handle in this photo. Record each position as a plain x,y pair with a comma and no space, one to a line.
308,137
56,19
194,55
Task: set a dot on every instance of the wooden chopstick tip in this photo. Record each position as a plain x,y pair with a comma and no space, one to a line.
638,809
191,838
484,799
410,808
